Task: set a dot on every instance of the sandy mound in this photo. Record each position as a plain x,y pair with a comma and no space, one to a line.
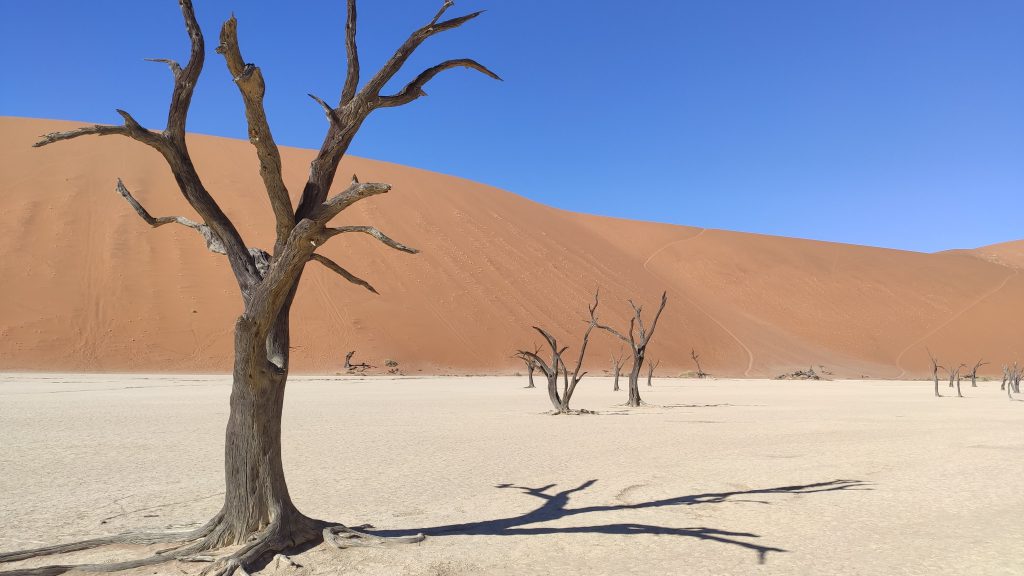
88,286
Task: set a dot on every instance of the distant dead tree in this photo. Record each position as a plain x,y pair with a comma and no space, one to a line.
956,374
1013,375
350,367
560,401
639,336
696,359
258,517
935,372
650,370
531,365
617,362
974,372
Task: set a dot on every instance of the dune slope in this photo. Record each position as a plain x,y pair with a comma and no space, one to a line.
85,285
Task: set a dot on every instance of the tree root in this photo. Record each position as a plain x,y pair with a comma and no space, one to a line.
341,537
573,412
194,546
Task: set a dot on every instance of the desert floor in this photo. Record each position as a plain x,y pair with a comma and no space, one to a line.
715,477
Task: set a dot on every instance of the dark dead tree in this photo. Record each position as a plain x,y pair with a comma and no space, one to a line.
956,374
1006,374
617,362
350,367
974,372
935,372
258,516
639,336
531,365
650,370
560,400
696,360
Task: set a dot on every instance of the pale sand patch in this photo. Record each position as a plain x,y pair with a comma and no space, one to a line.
695,485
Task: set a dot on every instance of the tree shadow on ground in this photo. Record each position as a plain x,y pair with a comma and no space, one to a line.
555,506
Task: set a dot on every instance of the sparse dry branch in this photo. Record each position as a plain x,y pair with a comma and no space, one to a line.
213,244
252,87
384,238
414,89
334,267
348,92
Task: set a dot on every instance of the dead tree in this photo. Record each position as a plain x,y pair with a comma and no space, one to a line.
531,365
696,359
639,336
350,367
617,362
1013,378
258,515
935,372
974,372
956,374
650,370
1006,374
560,401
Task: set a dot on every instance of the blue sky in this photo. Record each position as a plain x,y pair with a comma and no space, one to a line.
880,122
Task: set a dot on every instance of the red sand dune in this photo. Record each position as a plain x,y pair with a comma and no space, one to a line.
87,286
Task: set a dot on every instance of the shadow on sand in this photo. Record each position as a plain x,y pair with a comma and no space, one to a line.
555,506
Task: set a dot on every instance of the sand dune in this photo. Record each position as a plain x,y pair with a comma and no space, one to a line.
85,285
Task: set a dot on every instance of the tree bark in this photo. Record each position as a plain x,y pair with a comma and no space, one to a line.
529,372
634,381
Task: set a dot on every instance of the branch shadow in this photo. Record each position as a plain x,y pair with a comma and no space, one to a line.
555,506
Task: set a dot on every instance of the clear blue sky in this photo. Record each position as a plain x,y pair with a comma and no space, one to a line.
896,123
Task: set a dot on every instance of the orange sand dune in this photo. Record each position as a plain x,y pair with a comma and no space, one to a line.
87,286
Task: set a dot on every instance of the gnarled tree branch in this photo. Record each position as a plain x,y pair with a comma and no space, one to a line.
352,55
249,80
331,232
213,243
398,59
414,89
334,267
354,193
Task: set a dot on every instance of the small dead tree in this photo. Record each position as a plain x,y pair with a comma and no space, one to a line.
639,336
350,367
935,372
956,374
560,401
617,362
258,517
531,365
650,370
696,359
1006,374
1013,378
974,372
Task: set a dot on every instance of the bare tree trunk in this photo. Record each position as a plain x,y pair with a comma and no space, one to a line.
634,399
935,372
529,373
615,383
